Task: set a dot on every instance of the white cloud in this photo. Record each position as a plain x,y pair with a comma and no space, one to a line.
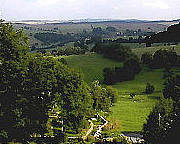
157,4
73,9
43,3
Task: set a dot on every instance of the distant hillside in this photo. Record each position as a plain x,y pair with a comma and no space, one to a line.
171,35
91,21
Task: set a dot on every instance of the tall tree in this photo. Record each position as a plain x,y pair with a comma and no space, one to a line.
31,85
163,123
13,50
155,131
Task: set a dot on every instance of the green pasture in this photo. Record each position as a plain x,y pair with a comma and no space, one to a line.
91,65
153,49
132,113
142,45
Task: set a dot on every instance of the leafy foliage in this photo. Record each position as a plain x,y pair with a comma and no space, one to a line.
149,88
114,51
132,64
13,49
171,89
155,131
163,58
130,67
146,58
103,98
163,123
31,85
171,35
54,37
69,51
160,59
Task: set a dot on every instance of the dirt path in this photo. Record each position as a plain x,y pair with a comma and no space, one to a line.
89,131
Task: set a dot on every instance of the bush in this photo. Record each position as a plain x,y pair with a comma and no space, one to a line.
164,58
149,88
146,58
130,68
132,64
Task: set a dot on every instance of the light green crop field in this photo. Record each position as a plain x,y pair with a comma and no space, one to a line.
153,49
91,65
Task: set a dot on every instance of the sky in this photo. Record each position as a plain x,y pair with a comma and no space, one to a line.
89,9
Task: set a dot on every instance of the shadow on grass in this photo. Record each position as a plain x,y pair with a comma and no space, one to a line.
154,97
133,133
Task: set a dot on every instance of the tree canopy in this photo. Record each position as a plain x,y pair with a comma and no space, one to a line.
31,85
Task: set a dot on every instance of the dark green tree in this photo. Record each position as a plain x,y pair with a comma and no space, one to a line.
164,58
113,50
155,131
109,76
171,89
163,123
13,50
149,88
146,58
75,100
101,97
132,64
31,85
112,94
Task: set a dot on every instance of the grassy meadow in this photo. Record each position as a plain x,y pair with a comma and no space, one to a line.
91,65
130,113
153,49
142,45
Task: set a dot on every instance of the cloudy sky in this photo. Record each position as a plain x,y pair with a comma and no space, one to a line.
82,9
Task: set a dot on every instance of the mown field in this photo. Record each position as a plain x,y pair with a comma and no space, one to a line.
130,113
91,65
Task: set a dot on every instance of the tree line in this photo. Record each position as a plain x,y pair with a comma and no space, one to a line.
161,59
116,51
54,37
172,34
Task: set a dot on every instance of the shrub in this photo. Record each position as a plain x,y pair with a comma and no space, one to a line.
149,88
132,64
146,58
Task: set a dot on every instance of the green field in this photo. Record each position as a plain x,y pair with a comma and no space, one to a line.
142,45
91,65
140,51
130,113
